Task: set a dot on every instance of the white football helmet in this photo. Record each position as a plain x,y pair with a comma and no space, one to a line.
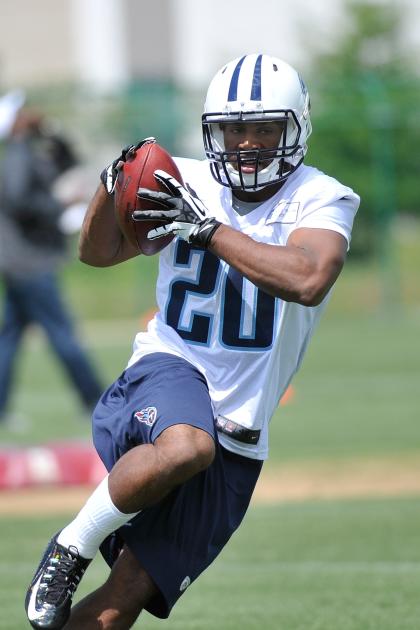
254,89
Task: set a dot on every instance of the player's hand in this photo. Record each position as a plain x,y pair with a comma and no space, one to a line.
110,173
184,213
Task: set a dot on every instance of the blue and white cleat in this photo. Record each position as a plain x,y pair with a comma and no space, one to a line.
49,597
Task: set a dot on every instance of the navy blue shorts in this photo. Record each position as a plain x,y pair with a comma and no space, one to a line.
176,539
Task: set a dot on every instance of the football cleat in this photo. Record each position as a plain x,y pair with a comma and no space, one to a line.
49,597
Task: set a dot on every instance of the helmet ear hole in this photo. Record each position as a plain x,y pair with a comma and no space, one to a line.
258,89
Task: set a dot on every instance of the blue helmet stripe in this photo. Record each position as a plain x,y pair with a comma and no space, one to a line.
233,88
256,81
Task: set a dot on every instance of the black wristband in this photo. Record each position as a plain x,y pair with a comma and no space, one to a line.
205,233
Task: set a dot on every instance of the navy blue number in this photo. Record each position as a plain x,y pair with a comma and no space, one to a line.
258,332
241,326
198,330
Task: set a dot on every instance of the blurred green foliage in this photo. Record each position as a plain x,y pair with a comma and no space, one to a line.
365,98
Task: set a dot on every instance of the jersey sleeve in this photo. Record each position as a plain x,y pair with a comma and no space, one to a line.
335,214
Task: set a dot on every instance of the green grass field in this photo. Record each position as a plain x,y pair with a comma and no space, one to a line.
347,565
309,565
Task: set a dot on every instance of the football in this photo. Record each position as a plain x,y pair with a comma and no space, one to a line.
136,173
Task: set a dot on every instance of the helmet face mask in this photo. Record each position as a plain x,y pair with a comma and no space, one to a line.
256,90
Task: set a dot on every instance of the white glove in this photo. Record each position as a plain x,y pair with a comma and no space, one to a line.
110,173
182,212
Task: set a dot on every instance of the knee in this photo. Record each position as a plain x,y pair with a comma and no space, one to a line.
188,450
200,451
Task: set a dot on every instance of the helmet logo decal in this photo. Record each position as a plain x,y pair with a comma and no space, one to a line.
233,88
256,81
302,85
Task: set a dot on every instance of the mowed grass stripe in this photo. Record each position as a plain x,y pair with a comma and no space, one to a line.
320,565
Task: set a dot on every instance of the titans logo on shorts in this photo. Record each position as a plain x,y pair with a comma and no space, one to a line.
148,415
155,393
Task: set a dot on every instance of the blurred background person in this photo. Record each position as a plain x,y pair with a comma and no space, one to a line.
32,248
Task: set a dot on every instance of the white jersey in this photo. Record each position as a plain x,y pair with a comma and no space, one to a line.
247,343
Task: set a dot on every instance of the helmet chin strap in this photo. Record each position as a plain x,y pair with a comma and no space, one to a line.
264,177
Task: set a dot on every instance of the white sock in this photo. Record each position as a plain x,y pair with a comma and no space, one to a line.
96,520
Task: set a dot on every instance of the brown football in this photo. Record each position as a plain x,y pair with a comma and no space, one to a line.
136,173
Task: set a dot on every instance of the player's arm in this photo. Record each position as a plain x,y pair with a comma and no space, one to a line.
101,242
302,271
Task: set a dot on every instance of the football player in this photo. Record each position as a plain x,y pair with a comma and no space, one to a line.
183,432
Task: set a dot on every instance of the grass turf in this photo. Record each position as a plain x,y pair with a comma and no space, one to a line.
347,565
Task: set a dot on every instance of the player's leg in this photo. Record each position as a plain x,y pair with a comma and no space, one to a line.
146,474
117,603
49,311
174,541
142,477
168,453
12,327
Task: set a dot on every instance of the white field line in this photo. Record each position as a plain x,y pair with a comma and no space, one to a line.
321,566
